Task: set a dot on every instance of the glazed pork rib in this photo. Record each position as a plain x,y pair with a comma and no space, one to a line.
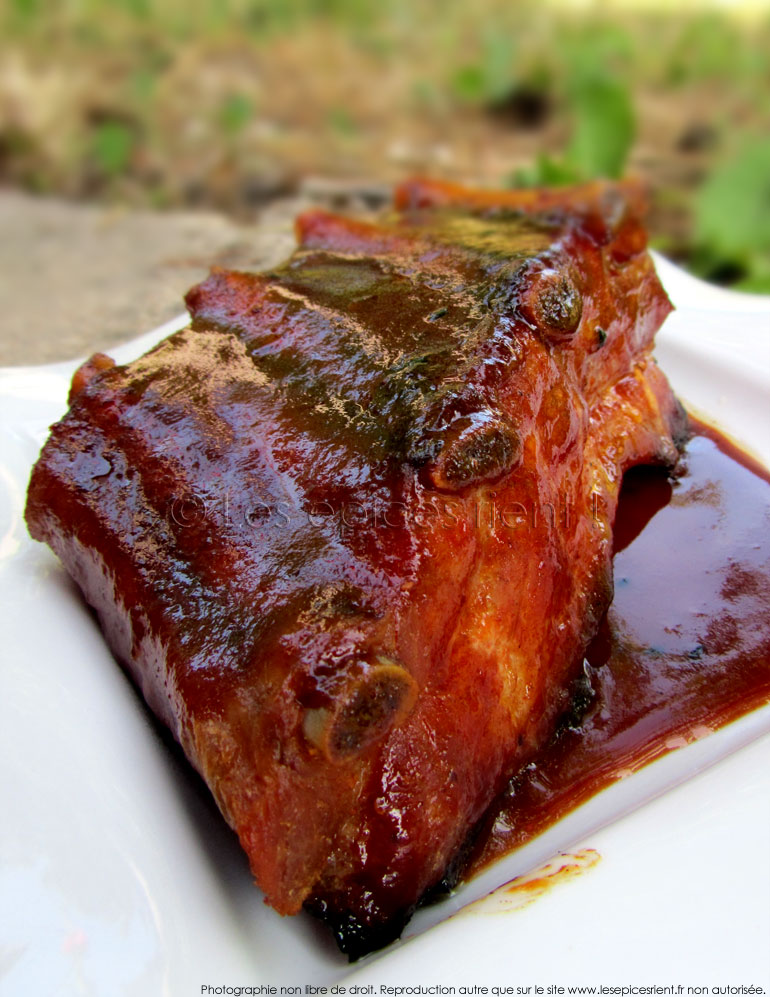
351,531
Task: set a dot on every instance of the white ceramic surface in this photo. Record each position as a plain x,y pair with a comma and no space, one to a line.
119,877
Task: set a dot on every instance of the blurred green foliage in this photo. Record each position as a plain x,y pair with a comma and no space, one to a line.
492,76
25,8
580,76
732,219
112,145
603,126
235,113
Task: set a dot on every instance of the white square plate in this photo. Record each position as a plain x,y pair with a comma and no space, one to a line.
119,876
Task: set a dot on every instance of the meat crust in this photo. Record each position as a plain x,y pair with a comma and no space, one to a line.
351,531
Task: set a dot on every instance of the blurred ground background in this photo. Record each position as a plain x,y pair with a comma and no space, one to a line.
142,140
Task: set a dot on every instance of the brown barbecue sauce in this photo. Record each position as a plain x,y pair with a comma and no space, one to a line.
683,649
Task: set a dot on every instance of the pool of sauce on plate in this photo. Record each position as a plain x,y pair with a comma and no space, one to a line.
685,645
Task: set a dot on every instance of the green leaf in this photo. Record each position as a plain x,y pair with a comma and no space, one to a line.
468,83
26,8
556,173
756,283
604,127
499,65
732,208
235,113
493,76
545,172
112,145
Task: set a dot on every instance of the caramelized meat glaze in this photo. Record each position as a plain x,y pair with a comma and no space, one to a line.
351,531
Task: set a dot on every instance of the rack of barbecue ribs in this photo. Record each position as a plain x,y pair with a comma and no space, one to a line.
351,531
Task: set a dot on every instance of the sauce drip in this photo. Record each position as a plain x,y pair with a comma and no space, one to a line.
684,647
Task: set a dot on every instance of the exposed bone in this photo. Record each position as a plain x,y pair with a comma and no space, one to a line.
552,304
479,447
376,699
